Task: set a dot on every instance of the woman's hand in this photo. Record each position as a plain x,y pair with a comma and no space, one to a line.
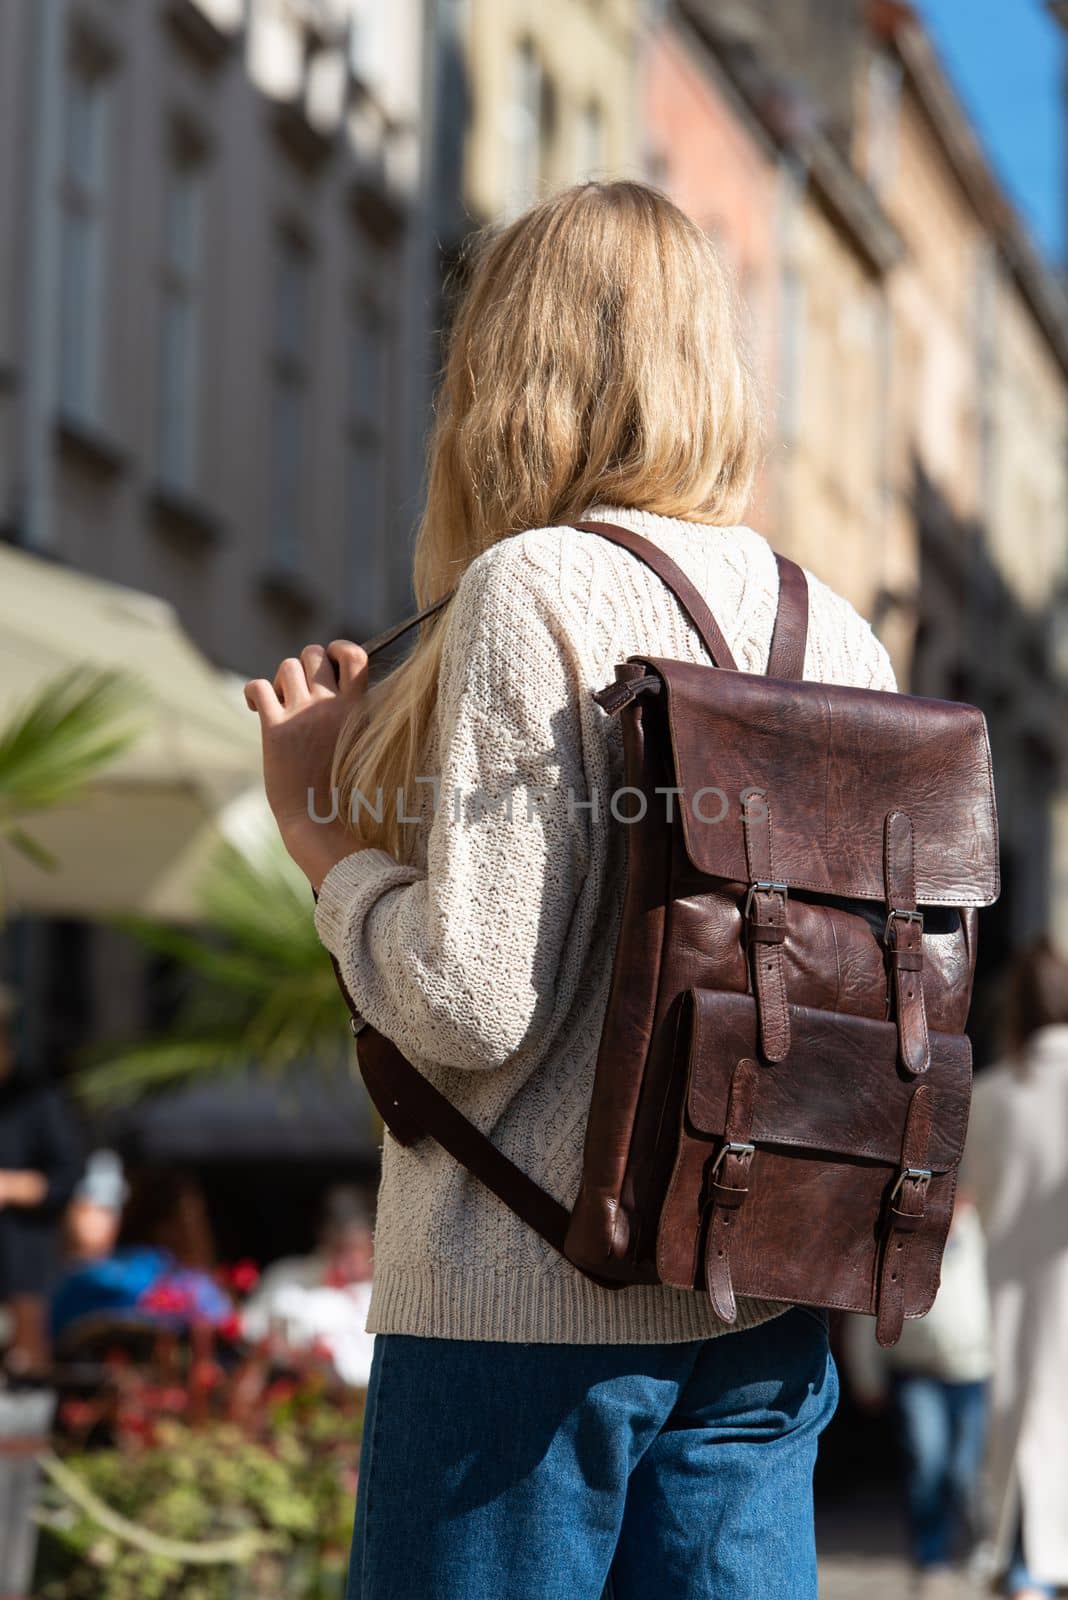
301,716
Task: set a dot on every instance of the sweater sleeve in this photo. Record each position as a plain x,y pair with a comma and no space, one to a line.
881,668
458,964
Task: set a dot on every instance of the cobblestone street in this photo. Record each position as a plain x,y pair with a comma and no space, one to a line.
862,1553
878,1577
864,1578
861,1548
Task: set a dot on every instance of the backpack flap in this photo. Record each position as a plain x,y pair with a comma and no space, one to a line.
831,763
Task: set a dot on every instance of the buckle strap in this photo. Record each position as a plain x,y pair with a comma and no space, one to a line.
903,939
765,919
726,1188
906,1212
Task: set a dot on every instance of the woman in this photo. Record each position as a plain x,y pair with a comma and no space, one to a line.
526,1430
1016,1162
40,1163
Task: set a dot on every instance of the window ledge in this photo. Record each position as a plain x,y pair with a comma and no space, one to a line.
89,446
289,591
378,211
206,43
305,144
184,518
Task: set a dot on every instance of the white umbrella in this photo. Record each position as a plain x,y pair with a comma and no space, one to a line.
140,836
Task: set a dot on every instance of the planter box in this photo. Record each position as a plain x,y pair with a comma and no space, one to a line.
25,1420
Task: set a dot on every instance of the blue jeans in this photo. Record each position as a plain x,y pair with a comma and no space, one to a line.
943,1434
548,1472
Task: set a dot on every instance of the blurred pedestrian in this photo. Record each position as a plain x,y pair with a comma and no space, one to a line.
158,1264
40,1163
1016,1164
322,1299
936,1378
94,1216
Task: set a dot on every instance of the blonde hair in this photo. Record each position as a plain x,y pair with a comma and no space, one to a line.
595,356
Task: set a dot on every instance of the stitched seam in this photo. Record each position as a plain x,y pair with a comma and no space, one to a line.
782,1141
837,960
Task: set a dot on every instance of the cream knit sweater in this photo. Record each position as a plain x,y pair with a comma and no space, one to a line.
488,959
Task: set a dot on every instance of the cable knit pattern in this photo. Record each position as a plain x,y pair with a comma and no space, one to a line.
488,958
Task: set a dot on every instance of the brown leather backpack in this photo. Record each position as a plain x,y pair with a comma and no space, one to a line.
782,1086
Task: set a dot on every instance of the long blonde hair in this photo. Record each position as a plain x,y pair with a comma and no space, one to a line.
594,357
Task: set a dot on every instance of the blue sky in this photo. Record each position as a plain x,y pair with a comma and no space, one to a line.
1006,60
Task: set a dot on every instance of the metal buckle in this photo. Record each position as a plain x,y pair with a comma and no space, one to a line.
768,886
918,1175
905,916
357,1024
729,1150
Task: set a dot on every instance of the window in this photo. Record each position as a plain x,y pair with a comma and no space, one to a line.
884,107
180,326
82,282
368,43
289,398
526,132
791,335
590,141
366,477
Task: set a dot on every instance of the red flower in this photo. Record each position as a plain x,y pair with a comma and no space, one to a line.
76,1413
165,1297
206,1375
281,1390
165,1397
244,1276
230,1328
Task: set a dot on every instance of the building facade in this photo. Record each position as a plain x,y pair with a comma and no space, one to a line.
811,250
216,301
214,320
979,392
913,353
551,98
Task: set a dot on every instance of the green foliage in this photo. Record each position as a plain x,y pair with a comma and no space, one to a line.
293,1484
65,736
257,988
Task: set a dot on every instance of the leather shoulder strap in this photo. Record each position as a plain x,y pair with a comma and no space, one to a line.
399,629
413,1108
791,622
671,573
787,657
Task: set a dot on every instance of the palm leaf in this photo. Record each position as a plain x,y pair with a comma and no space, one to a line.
259,990
71,729
31,848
